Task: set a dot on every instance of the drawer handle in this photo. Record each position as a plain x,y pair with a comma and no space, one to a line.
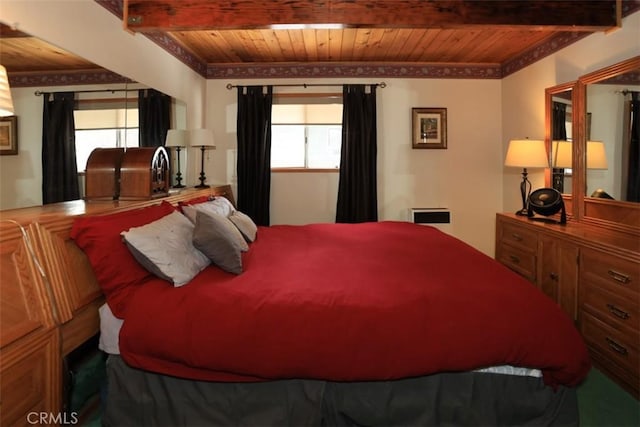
619,277
514,259
616,347
617,312
517,237
554,276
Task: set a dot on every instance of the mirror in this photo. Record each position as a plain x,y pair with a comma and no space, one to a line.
609,144
29,58
559,136
609,173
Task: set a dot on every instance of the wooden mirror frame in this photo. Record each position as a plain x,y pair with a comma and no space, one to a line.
569,200
623,216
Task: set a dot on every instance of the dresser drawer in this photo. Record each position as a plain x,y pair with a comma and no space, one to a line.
519,237
618,347
615,274
520,261
613,308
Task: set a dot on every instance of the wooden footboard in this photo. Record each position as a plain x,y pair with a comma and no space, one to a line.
49,299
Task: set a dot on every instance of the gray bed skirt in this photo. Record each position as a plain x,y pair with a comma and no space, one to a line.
140,398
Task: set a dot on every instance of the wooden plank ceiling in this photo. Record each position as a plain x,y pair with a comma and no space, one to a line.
342,31
218,38
21,52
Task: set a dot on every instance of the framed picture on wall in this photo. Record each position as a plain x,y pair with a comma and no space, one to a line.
429,127
8,135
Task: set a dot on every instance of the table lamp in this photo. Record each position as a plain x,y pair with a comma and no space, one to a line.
526,153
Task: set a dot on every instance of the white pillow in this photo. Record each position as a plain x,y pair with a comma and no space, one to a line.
220,206
165,248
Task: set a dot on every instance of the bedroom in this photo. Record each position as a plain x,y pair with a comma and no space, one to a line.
468,178
483,113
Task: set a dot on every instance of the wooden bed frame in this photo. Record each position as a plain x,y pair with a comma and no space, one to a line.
49,300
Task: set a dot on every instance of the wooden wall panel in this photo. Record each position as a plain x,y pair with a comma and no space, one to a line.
72,279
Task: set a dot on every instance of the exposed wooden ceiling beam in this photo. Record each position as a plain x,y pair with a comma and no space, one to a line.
182,15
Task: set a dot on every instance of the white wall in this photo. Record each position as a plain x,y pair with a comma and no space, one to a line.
466,177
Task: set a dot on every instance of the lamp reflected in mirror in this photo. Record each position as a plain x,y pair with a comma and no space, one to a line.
563,156
6,101
177,138
202,138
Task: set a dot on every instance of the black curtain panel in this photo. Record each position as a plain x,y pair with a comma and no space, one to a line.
154,117
559,121
558,133
633,182
59,168
357,187
254,151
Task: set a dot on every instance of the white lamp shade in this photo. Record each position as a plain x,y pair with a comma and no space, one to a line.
526,153
176,138
6,102
596,155
201,138
562,155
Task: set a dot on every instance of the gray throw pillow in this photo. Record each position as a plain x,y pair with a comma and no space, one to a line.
245,224
217,238
165,248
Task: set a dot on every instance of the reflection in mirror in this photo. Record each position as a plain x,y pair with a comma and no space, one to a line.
613,138
104,112
561,137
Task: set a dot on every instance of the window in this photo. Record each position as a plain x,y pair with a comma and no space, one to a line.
104,127
306,133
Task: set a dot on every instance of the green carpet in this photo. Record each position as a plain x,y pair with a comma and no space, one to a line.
603,403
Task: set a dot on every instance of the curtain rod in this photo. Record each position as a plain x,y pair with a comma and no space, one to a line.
39,93
627,91
306,85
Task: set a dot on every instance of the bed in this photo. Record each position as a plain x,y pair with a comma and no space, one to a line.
386,323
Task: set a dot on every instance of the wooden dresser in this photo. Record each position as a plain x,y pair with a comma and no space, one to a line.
593,274
49,300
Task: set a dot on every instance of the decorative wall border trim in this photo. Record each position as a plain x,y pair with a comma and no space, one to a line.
543,50
169,44
343,70
66,78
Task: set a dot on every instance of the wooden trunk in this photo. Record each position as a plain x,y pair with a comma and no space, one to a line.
102,176
144,173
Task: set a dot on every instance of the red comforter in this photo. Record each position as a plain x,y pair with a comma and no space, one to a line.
366,301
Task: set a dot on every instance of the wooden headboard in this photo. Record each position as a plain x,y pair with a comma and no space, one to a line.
49,298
